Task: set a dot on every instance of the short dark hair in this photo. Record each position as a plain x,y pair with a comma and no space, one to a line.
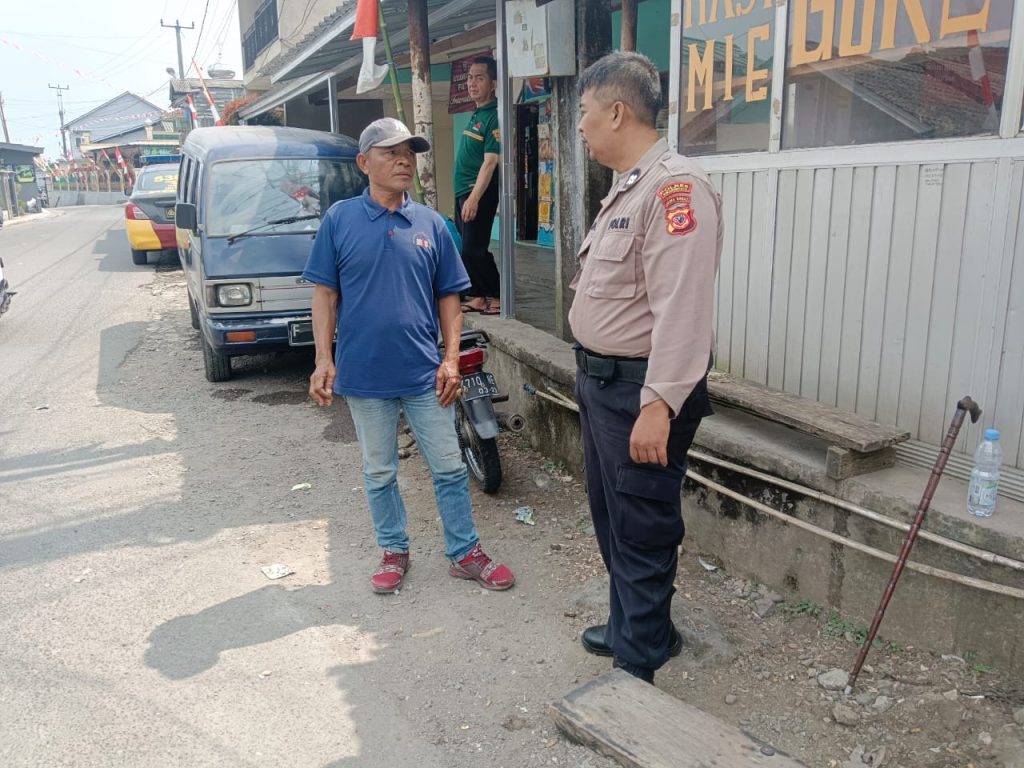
492,66
628,77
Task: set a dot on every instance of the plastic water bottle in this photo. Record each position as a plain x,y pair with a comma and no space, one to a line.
981,494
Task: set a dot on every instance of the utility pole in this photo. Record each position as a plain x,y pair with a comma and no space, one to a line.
3,118
176,26
60,105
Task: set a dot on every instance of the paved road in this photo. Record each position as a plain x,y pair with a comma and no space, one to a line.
137,505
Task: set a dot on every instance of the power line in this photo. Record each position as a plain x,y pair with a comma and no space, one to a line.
202,25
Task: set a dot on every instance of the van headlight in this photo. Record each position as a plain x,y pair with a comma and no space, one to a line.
234,295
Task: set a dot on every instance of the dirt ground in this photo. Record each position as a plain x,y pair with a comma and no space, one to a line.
753,658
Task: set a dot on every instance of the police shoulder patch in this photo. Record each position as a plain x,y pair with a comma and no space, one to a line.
676,198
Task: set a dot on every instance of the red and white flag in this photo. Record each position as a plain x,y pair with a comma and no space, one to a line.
980,75
371,74
120,157
209,98
192,112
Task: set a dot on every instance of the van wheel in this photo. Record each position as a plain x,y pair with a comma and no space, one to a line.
193,313
217,364
140,257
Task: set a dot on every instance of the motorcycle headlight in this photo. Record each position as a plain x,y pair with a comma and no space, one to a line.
234,295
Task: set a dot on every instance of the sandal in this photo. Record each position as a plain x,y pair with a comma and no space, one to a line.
475,304
491,307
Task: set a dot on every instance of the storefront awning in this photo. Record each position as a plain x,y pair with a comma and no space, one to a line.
284,92
329,50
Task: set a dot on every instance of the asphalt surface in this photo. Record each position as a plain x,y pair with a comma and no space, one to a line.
138,504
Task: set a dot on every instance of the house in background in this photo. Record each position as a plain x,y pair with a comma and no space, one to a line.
121,120
222,91
17,176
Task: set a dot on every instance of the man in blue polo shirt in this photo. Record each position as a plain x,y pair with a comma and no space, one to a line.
387,277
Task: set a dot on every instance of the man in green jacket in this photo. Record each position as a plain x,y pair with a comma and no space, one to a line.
477,188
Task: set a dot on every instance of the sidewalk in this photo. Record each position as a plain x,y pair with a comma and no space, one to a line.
25,218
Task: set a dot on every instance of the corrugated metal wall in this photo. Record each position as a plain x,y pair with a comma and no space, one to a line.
887,289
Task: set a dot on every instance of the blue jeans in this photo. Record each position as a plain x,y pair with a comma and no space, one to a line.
376,422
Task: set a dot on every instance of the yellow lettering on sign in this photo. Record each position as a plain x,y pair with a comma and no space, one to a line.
801,11
743,10
701,68
950,25
867,29
728,68
754,34
916,15
687,14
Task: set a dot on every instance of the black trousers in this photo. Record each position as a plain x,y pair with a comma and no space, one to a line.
476,241
637,513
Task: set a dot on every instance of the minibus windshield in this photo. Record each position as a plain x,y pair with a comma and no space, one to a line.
247,194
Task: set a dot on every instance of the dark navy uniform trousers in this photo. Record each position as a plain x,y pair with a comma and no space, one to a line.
635,507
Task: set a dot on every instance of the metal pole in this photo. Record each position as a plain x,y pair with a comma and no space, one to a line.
508,174
393,71
332,103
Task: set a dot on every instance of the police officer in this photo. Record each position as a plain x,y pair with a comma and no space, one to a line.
642,318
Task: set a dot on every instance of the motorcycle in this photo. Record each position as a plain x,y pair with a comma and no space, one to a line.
476,421
5,290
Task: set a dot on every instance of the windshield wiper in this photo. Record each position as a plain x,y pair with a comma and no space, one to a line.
273,223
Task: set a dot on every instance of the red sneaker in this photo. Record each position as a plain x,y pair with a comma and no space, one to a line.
390,573
478,567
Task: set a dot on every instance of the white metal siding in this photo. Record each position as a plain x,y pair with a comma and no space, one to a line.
888,288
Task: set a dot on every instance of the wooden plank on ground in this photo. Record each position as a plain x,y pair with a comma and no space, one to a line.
639,726
842,428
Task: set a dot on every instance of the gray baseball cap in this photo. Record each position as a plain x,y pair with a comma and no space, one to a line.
388,132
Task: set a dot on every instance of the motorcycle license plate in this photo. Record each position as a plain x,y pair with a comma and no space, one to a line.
477,385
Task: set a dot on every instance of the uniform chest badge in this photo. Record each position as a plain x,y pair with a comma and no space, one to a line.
679,214
422,241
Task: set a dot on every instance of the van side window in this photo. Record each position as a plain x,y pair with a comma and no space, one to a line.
186,167
194,186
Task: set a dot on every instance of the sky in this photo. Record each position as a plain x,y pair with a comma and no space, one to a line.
101,49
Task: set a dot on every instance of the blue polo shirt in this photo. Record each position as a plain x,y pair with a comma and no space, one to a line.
390,268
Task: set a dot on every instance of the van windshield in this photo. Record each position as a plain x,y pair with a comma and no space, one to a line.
248,193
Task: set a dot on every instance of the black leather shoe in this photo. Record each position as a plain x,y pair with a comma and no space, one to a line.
641,673
593,641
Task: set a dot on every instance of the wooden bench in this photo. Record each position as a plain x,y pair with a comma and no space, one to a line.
639,726
856,445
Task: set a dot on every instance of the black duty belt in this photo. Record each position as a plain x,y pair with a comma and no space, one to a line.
631,369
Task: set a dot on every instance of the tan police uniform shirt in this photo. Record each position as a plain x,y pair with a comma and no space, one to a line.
645,286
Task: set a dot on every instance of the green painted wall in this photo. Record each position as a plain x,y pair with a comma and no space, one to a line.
652,31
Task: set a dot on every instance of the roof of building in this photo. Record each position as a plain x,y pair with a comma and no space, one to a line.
106,112
29,150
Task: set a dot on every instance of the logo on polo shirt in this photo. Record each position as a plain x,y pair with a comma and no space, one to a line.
422,241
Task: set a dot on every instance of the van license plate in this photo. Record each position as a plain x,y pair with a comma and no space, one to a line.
300,334
477,385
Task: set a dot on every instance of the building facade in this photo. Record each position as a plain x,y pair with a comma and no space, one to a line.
869,154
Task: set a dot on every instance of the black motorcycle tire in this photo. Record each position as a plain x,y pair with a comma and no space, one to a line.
480,455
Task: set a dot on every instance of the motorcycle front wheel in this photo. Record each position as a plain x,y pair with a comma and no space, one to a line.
480,455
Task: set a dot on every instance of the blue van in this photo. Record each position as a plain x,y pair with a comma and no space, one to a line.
249,202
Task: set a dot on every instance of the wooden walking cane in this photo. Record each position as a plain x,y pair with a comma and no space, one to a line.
966,405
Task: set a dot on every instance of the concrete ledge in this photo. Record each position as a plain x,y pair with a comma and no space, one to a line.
926,611
64,198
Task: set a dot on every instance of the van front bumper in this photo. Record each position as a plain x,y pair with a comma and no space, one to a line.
272,332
